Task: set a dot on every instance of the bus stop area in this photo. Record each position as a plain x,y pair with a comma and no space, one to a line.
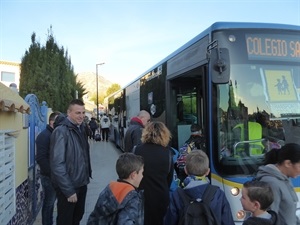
103,160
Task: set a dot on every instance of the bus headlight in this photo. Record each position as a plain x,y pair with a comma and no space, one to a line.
235,191
231,38
241,214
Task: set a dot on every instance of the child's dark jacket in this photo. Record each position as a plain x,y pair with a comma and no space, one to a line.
195,189
118,204
262,221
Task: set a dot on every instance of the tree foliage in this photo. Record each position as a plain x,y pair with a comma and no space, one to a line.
101,96
47,72
112,89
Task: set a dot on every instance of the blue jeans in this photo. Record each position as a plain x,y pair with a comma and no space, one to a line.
49,200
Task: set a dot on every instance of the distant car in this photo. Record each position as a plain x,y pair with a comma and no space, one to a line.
189,118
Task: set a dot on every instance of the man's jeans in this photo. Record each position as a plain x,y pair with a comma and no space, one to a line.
49,200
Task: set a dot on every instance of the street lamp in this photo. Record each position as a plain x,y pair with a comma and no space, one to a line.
98,64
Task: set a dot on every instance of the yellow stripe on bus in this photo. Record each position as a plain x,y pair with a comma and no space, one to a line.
226,182
235,184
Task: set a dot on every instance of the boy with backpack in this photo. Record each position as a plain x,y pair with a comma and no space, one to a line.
206,202
257,196
121,202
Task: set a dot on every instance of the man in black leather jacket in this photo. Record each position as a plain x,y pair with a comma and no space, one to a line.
70,165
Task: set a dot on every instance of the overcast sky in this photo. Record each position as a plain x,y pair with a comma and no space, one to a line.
128,36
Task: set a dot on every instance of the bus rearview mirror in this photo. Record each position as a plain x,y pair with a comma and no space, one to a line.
220,65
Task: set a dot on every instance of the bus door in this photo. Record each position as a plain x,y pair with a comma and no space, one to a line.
186,104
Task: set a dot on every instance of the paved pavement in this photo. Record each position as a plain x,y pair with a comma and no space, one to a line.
103,159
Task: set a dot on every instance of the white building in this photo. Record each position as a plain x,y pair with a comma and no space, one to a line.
10,73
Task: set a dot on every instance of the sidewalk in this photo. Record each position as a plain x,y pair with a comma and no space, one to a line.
103,160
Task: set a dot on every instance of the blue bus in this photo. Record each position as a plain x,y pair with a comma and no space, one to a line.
240,82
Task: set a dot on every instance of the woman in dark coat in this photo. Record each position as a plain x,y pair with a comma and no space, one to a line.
158,171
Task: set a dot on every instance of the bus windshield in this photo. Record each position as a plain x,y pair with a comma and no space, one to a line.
259,109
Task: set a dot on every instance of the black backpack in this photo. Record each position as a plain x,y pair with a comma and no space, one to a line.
198,212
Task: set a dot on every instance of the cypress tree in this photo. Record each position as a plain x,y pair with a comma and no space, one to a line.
47,72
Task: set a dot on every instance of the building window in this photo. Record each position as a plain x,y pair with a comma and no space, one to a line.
7,76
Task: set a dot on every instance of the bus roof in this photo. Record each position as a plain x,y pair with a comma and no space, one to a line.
214,27
247,25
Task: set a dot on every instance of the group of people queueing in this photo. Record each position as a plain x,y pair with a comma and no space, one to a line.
270,197
141,195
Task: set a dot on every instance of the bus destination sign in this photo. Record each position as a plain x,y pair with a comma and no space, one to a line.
273,47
